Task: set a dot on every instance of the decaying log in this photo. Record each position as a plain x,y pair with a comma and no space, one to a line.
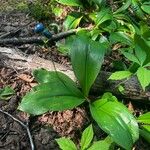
17,60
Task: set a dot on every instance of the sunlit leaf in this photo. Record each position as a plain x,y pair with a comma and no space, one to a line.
145,118
87,137
144,77
119,75
56,92
116,120
66,144
86,57
106,144
72,20
103,16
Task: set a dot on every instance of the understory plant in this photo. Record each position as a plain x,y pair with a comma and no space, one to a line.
86,142
57,92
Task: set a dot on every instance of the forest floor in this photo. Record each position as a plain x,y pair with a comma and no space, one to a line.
45,128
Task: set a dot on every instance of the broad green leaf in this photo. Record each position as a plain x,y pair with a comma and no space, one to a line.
86,58
51,80
72,20
66,144
145,118
146,7
145,134
57,11
106,144
116,120
119,75
124,6
103,16
6,93
87,137
144,77
39,102
142,44
56,92
120,37
147,65
131,57
70,2
140,54
109,97
137,9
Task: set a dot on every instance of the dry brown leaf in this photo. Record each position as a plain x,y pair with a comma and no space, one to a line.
26,77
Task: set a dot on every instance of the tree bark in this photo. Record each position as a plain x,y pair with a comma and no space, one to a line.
13,58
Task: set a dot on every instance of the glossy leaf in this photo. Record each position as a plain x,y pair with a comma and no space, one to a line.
55,79
66,144
72,20
142,45
103,16
70,2
106,144
86,57
56,92
131,57
39,102
121,37
143,75
124,6
116,120
146,7
119,75
87,137
145,118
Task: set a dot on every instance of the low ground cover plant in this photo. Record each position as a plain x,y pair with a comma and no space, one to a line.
57,92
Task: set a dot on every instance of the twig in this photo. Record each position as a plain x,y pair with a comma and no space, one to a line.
11,33
22,124
37,40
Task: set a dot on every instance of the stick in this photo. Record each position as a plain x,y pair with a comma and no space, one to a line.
36,40
22,124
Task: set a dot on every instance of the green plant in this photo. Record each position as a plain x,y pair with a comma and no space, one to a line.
57,92
86,142
144,121
6,93
139,53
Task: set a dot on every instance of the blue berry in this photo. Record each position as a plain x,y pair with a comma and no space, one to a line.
39,28
47,34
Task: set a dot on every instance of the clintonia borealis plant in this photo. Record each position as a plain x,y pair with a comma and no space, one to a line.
57,92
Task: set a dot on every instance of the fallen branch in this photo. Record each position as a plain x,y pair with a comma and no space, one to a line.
23,125
36,40
132,89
